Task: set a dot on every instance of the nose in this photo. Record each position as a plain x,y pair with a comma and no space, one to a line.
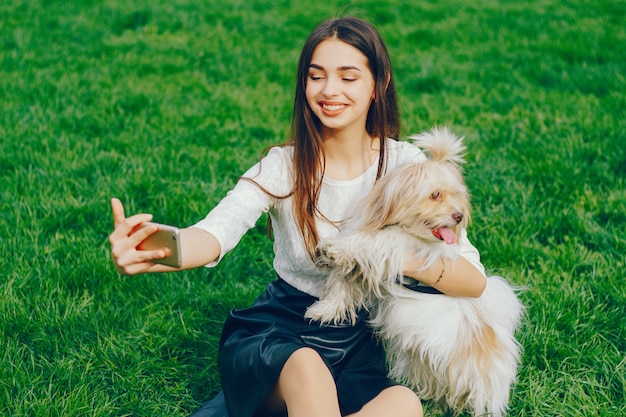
457,216
331,87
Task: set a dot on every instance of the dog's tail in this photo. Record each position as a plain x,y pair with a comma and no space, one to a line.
441,144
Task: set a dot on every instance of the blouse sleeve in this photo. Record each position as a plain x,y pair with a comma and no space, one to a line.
242,206
470,253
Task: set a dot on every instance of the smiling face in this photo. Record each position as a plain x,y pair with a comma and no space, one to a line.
339,87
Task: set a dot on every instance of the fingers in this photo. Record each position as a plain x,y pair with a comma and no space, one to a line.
123,226
129,261
128,233
133,262
130,228
134,269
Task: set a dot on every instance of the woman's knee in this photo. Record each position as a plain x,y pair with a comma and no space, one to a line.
411,406
306,386
397,401
305,366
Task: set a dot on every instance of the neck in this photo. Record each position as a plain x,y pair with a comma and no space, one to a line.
349,154
350,140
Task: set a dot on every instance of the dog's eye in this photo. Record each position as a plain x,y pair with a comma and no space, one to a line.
435,195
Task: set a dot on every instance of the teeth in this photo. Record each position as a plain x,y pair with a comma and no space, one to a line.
333,107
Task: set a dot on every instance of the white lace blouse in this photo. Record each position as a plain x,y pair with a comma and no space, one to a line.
245,203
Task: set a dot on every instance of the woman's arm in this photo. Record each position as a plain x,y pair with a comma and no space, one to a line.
453,277
197,246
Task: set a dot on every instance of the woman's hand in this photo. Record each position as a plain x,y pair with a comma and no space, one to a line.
126,236
197,247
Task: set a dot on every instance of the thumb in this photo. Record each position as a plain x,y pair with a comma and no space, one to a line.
118,211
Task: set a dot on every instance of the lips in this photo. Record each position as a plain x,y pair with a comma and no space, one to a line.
332,109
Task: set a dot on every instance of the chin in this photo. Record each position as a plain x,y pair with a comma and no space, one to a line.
458,352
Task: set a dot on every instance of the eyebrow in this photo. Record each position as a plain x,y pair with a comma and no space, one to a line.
344,68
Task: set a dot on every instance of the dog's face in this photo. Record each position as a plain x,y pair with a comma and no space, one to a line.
428,200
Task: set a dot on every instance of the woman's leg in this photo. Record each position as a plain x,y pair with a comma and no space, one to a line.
306,386
396,401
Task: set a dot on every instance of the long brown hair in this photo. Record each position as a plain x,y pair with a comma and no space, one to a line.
383,119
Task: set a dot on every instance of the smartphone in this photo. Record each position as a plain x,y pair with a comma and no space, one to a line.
166,237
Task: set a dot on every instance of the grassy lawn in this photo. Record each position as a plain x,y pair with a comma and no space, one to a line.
165,103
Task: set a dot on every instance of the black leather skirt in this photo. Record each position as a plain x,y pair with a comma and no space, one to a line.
257,341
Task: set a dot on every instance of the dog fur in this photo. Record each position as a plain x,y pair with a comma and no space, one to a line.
459,352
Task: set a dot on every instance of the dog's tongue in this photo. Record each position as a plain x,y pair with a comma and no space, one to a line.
446,234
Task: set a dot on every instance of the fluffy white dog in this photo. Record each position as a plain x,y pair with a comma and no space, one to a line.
459,352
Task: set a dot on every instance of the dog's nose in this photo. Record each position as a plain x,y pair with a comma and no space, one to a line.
457,216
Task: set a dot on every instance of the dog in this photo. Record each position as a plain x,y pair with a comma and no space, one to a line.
458,352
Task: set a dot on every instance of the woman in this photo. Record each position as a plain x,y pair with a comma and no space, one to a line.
345,127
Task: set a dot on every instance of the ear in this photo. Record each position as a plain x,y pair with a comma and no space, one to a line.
386,86
381,205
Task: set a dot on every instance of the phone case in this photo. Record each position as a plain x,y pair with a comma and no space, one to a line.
166,237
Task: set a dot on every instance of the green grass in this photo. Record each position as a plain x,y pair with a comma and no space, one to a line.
165,103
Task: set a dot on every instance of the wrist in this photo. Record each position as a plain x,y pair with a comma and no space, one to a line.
441,274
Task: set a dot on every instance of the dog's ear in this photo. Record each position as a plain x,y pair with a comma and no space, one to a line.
389,193
442,145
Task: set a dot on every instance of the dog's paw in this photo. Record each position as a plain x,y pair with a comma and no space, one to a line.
333,253
331,312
